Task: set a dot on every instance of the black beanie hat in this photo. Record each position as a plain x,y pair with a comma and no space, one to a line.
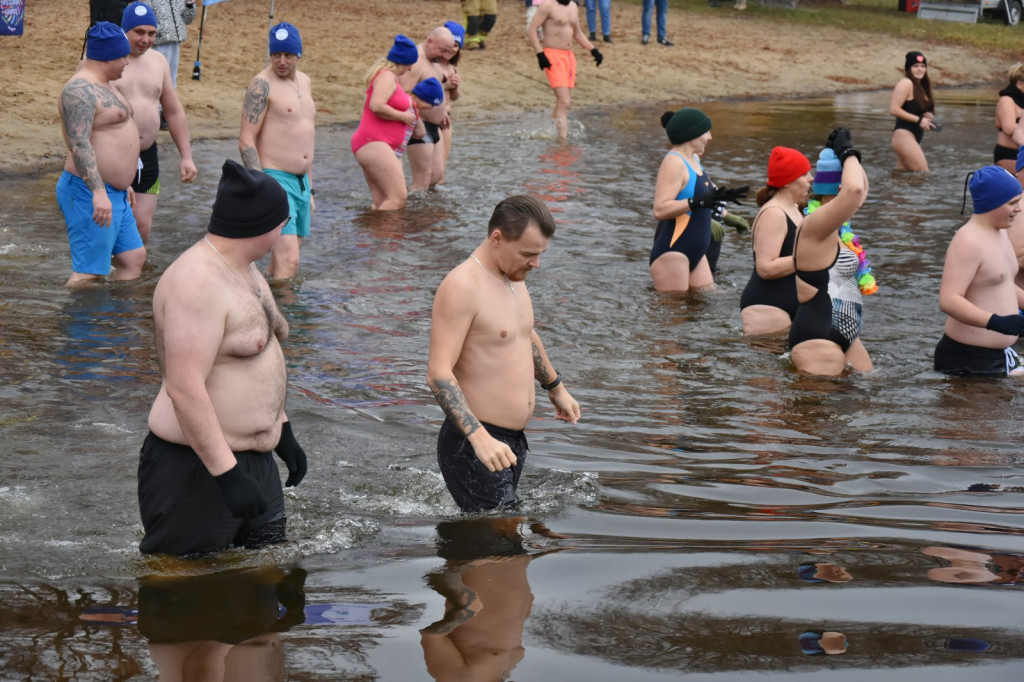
686,124
249,203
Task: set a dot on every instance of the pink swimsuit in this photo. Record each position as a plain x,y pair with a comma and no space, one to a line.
373,128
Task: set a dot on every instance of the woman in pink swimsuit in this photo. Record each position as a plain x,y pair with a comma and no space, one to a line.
388,120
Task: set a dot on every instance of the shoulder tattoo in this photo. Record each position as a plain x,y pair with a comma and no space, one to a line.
256,98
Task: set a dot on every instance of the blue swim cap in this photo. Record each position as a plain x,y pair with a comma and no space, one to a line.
106,42
285,38
991,187
137,14
430,91
458,32
403,52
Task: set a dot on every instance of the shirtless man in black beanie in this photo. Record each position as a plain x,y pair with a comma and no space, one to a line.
207,479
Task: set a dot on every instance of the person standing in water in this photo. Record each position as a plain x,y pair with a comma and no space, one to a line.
978,294
277,136
684,199
913,106
560,24
485,355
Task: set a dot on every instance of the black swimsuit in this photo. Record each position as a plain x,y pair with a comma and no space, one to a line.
813,318
780,292
911,107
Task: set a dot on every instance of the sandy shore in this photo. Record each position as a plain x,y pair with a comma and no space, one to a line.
719,54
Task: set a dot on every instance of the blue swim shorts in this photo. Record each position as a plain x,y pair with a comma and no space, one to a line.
93,245
297,189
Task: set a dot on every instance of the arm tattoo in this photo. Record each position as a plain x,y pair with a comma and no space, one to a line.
453,403
256,98
539,373
251,158
78,108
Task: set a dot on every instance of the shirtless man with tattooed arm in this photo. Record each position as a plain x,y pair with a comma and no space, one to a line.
485,355
277,136
94,191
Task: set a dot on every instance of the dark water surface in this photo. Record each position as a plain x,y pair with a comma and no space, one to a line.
704,473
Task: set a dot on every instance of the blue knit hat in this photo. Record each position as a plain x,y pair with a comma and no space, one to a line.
458,32
137,14
991,187
807,571
285,38
430,91
828,173
404,51
106,42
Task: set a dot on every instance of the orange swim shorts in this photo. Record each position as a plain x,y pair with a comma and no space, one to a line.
562,73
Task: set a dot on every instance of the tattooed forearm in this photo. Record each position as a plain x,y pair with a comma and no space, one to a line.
251,158
77,109
540,373
449,396
256,98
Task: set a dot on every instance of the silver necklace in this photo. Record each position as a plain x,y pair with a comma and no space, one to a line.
294,86
254,285
502,276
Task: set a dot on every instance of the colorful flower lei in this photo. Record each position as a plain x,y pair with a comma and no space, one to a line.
865,280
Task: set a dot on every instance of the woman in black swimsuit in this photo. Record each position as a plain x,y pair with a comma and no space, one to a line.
913,106
1008,112
769,303
818,348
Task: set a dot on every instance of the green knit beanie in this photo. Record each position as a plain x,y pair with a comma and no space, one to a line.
687,124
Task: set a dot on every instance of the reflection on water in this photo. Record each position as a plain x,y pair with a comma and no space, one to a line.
723,513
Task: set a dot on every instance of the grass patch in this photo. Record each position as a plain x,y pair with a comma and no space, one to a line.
882,16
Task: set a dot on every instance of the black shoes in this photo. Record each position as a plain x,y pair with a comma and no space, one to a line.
592,36
645,40
666,42
607,38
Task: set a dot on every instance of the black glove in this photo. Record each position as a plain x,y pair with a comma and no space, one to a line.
842,144
542,59
289,450
1012,325
598,57
720,195
241,493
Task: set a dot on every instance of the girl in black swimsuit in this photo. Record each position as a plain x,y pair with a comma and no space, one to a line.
816,347
913,106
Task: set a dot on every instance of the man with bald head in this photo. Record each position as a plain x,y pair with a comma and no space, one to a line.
440,44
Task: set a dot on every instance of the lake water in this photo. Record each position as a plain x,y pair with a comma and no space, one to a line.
662,535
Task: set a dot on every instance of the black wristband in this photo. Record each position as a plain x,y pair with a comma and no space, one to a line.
553,384
312,192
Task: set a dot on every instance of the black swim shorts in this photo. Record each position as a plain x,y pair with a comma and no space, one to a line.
183,511
470,483
149,175
960,359
433,135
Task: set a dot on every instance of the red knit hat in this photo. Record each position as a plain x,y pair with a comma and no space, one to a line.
786,165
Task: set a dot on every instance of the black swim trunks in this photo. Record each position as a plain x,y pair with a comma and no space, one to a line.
183,511
1001,153
433,135
148,176
960,359
470,483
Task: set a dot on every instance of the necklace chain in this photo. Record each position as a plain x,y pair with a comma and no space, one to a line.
253,284
504,277
294,86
